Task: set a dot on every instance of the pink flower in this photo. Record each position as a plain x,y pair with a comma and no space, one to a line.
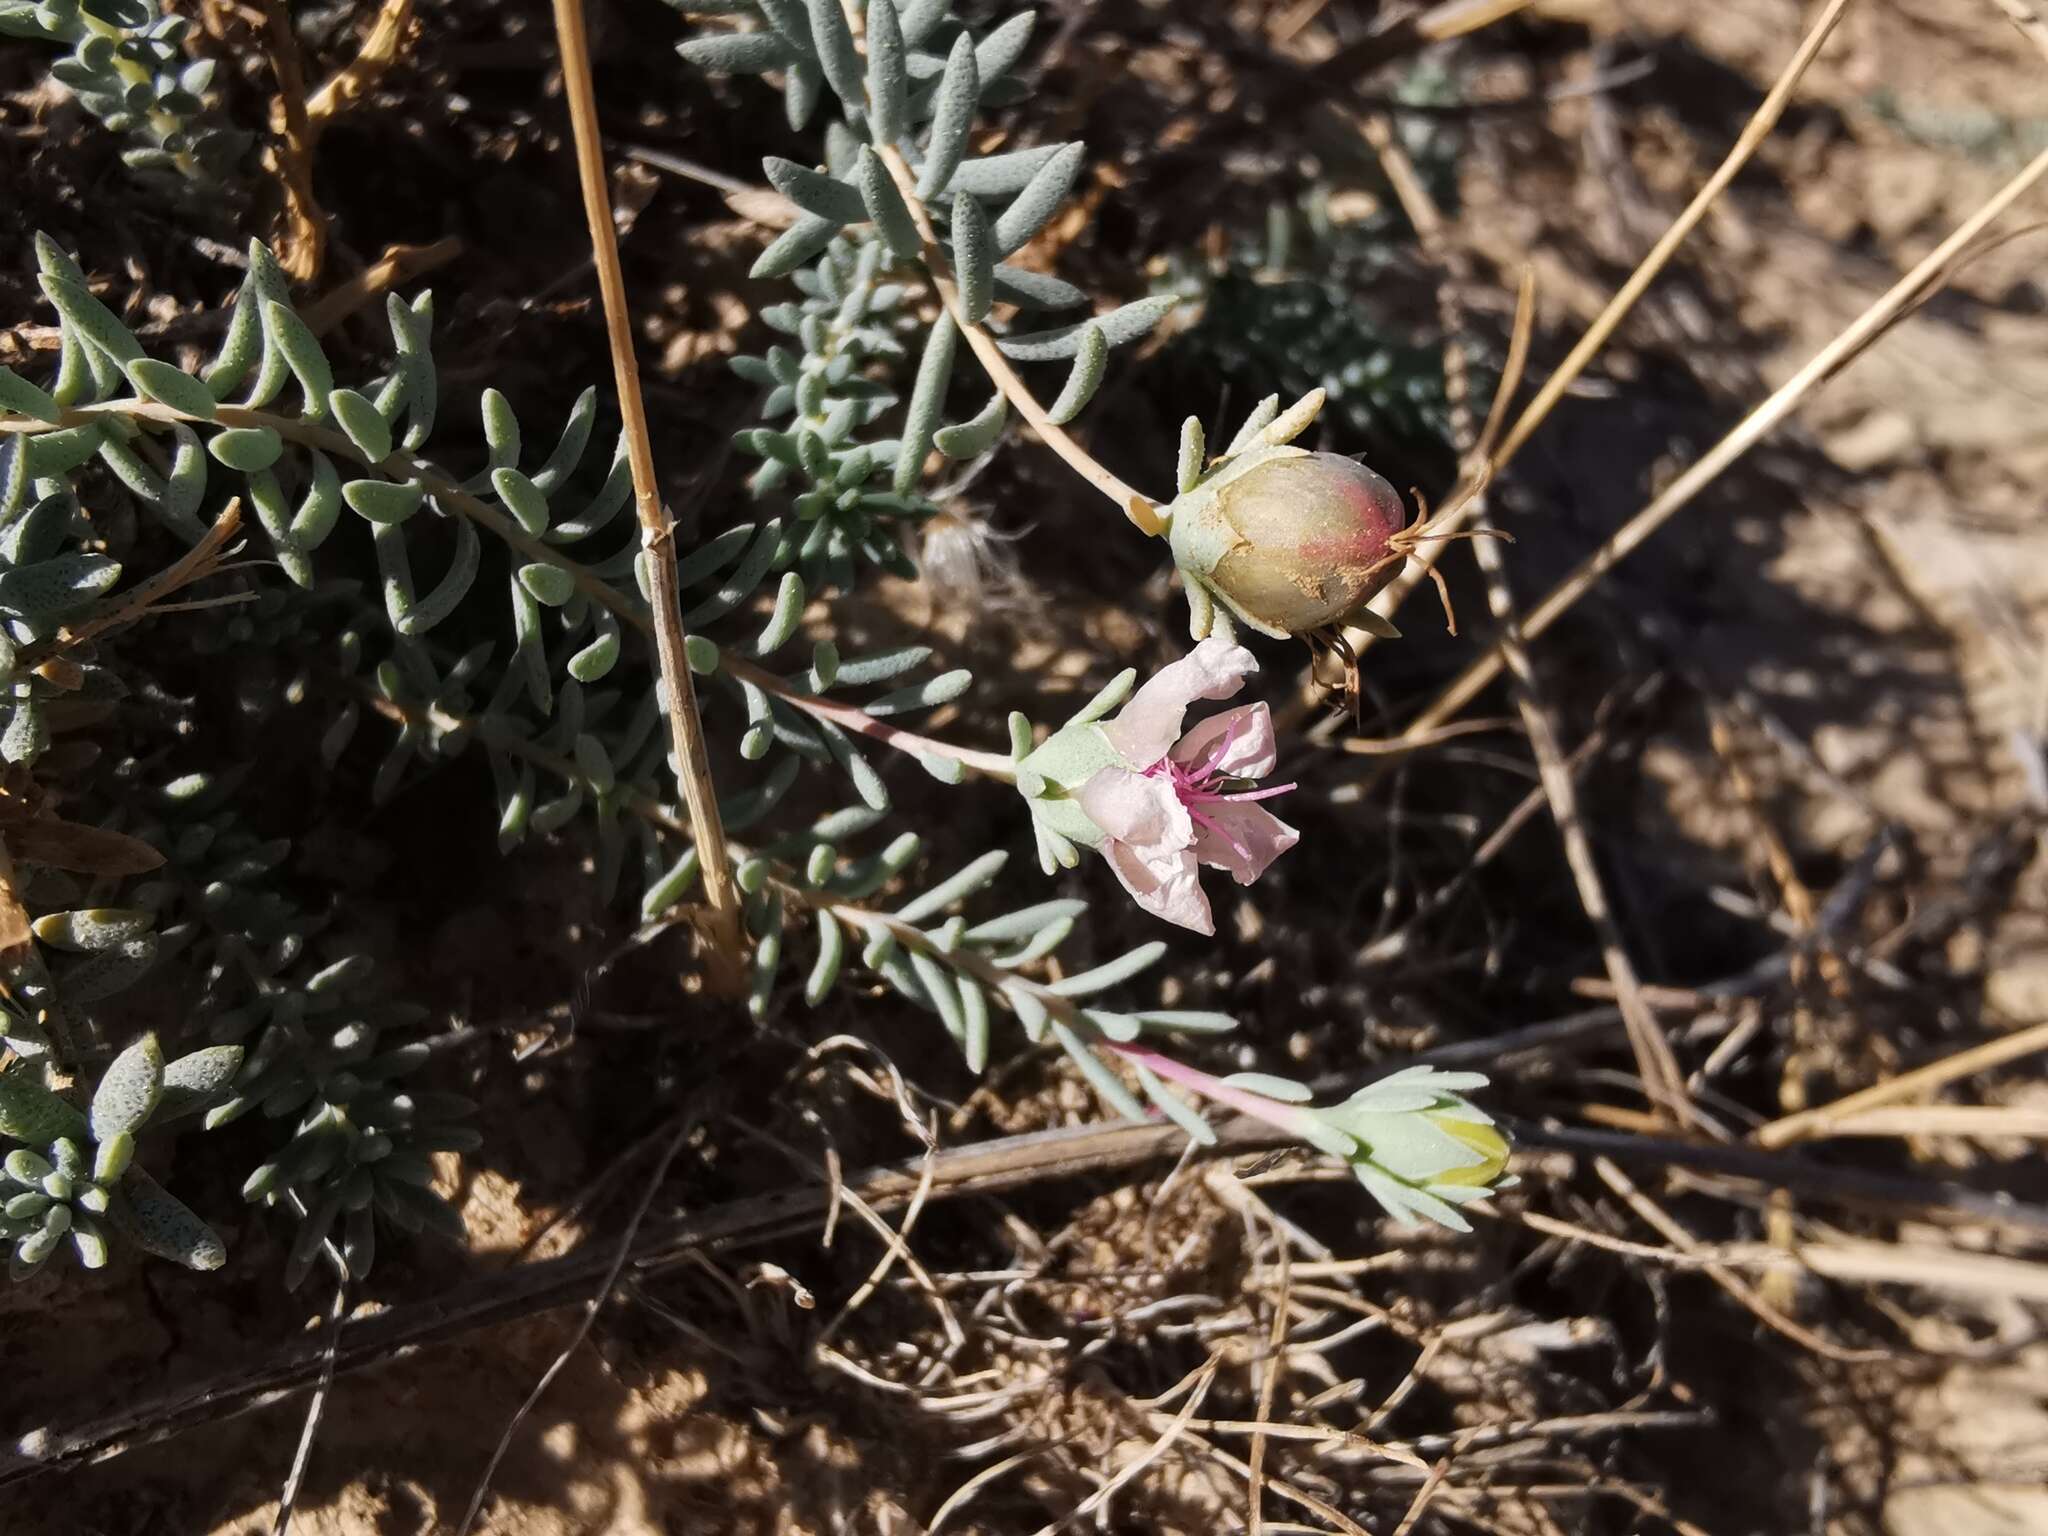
1177,801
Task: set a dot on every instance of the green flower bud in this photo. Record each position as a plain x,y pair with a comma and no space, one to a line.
1419,1146
1489,1143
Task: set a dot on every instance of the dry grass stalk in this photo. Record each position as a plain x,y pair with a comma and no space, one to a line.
1138,1464
398,264
1975,1120
1766,1309
301,246
1138,507
1928,275
1269,1379
1752,137
1656,1063
383,46
724,944
1419,1506
1813,1123
196,564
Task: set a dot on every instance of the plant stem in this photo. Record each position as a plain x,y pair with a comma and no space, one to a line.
1285,1117
382,46
401,466
851,717
724,943
1137,507
303,250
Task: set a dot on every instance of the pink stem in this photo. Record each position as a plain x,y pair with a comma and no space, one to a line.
852,718
1286,1117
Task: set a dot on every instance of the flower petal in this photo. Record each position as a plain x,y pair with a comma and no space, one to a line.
1145,729
1242,838
1240,741
1138,809
1168,886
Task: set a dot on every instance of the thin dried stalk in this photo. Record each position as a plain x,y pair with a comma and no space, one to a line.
1655,1062
721,926
383,45
1127,499
398,264
1990,1120
196,564
1928,275
1754,132
302,248
1762,1307
1978,1058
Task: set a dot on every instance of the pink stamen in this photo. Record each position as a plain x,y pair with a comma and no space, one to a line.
1195,785
1242,794
1221,749
1200,820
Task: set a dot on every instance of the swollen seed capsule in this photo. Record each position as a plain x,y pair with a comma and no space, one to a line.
1293,542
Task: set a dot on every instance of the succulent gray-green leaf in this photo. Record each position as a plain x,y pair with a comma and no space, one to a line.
301,349
363,422
952,119
197,1079
977,435
248,449
157,1222
884,204
427,612
974,258
173,386
921,18
1100,1078
1109,974
30,1112
48,590
1003,175
549,584
814,191
1262,416
997,54
111,1157
321,509
1118,326
382,501
1284,1089
93,927
956,887
837,55
24,399
796,245
501,428
888,82
739,53
129,1091
1193,451
1091,362
927,398
523,499
597,658
1035,290
943,689
58,453
92,319
1034,207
